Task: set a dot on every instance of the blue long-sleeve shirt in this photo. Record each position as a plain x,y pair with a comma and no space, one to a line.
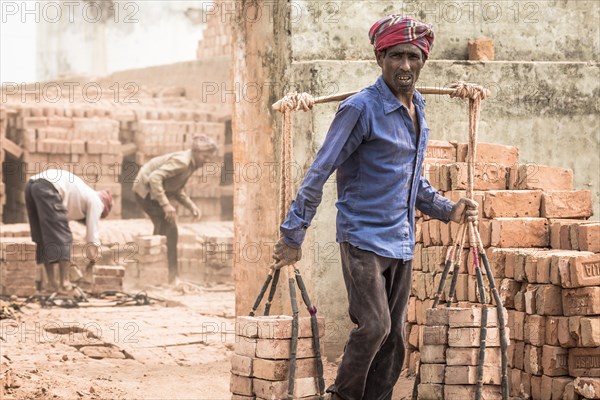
372,144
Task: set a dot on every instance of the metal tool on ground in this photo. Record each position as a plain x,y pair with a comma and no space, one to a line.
81,299
475,93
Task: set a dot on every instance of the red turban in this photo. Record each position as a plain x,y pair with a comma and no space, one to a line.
107,200
395,29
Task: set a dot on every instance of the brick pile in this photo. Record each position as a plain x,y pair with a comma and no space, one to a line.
106,278
83,141
206,250
17,266
543,254
146,264
450,342
260,365
216,38
206,253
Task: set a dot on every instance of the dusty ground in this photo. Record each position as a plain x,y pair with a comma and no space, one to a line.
178,348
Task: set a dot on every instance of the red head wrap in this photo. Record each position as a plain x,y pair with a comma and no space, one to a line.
107,200
395,29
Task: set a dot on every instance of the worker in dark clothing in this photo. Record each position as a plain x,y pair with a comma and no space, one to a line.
161,180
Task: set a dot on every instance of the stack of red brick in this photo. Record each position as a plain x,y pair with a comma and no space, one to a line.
206,253
260,367
216,38
106,278
83,141
17,266
146,262
450,342
544,256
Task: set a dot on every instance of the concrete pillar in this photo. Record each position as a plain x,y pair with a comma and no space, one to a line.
261,46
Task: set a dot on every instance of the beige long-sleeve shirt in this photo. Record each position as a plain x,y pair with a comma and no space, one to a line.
80,200
165,176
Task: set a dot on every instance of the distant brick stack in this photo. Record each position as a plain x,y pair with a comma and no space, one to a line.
17,266
206,254
146,264
216,38
544,255
106,278
15,230
449,343
83,141
261,363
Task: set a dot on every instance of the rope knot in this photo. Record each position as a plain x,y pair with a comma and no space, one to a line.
465,90
294,101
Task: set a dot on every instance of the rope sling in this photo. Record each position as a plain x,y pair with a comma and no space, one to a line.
303,101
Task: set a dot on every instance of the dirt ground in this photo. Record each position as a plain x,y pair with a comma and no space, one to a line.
176,348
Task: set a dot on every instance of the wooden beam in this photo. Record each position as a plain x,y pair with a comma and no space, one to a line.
11,147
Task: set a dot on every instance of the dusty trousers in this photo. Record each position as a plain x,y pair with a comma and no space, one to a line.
162,227
378,291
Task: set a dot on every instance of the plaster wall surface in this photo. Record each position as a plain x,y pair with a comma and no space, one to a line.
537,30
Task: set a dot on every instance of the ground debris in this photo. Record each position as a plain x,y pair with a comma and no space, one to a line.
9,308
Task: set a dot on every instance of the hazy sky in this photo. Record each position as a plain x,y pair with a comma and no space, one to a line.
138,34
17,46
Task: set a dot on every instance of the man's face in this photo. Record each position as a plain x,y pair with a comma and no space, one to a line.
202,156
400,66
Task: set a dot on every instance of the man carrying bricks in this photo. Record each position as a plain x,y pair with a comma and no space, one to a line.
376,143
53,197
162,179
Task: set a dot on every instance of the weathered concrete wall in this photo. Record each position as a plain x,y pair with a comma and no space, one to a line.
541,30
262,53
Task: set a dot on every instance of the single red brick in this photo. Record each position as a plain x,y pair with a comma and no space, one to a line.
481,49
584,362
582,301
540,177
491,153
587,387
440,149
533,360
488,176
567,204
512,203
589,237
555,361
519,232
